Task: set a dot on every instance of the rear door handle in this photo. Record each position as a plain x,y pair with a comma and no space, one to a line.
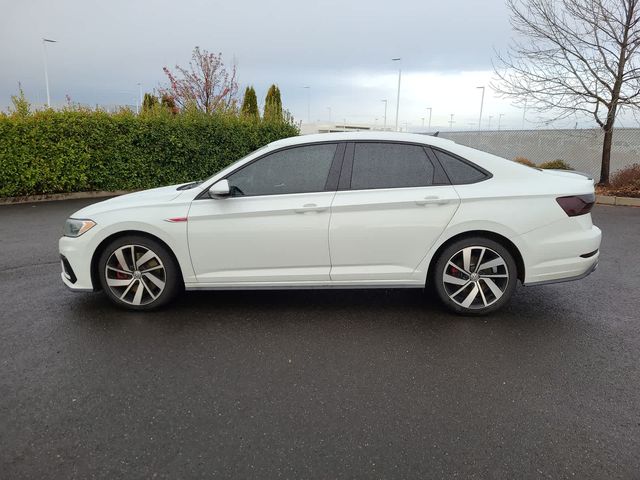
432,199
310,207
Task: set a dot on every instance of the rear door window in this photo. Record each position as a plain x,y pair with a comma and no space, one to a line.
390,165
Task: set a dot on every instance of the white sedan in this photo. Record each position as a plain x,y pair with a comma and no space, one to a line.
344,210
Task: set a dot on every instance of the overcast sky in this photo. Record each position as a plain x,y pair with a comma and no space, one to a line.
342,49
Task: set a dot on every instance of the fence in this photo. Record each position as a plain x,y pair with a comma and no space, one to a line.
582,149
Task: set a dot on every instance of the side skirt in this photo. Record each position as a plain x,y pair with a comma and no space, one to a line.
339,286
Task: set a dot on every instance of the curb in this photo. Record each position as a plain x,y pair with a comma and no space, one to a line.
618,201
53,197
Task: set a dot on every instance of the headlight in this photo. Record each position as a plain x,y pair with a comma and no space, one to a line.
74,227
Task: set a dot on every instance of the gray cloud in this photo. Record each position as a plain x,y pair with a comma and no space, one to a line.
106,47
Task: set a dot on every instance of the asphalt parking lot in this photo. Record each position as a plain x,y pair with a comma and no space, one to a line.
316,384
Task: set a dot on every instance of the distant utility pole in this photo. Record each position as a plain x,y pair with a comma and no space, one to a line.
451,122
422,122
430,110
385,114
46,72
481,105
139,104
398,97
499,119
308,103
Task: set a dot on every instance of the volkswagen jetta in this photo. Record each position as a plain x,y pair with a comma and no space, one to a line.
344,210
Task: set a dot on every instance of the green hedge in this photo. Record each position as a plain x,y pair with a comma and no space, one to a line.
80,150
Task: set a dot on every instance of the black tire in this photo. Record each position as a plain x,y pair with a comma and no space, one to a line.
159,278
481,286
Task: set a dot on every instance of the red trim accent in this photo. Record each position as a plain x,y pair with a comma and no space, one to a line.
177,219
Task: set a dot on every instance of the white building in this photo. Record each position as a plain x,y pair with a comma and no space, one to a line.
326,127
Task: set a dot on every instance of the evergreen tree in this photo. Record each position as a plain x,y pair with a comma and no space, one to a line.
149,102
273,105
169,103
250,104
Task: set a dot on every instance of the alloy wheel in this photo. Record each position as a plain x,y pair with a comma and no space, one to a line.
475,277
135,274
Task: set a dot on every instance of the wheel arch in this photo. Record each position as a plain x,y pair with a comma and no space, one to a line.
496,237
95,275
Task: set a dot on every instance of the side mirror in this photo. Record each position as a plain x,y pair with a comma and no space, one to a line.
220,189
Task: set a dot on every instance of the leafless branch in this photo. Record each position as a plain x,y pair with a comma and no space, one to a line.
205,84
572,56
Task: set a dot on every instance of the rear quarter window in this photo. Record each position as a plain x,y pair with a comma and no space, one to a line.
459,171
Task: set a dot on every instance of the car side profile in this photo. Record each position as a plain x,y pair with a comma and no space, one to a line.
342,210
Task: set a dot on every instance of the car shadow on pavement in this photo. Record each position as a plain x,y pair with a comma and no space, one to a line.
528,308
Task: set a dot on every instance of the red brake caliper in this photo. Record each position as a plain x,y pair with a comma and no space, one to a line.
120,275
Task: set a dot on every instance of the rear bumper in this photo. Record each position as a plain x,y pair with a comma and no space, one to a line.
563,251
565,279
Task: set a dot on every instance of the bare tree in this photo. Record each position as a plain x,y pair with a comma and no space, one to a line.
206,83
574,56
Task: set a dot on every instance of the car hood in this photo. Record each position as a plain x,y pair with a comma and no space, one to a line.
153,196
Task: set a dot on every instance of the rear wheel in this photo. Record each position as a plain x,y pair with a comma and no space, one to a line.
475,276
138,273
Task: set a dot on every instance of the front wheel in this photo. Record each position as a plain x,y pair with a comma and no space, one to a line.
475,276
138,273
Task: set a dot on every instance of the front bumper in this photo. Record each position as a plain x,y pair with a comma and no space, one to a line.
76,263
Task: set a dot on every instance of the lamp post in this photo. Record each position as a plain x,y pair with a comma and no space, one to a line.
451,122
430,111
384,128
308,103
139,106
398,97
46,72
422,122
500,119
481,105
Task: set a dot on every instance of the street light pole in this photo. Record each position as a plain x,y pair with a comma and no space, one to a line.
499,119
398,97
139,106
422,122
481,105
451,122
385,115
308,103
430,110
46,72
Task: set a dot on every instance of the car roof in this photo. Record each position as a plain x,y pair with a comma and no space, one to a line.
367,135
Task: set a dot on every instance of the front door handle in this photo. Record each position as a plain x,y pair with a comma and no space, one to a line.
310,207
432,199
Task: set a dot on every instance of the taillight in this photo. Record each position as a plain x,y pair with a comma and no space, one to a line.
577,204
